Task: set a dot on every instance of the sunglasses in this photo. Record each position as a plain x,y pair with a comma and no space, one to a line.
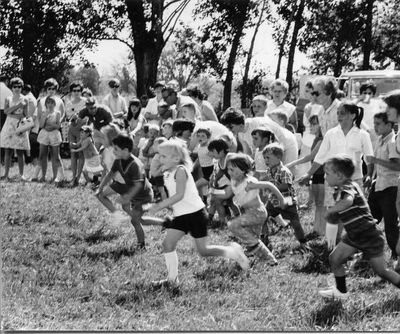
16,86
51,88
367,93
315,93
115,87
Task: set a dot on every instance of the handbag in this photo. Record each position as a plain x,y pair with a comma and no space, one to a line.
24,124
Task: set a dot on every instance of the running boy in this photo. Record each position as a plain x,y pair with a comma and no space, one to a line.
361,233
136,190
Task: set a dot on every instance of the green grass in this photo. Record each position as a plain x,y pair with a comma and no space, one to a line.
65,267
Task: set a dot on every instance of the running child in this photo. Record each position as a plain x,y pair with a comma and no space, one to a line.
92,158
252,214
134,192
188,211
361,232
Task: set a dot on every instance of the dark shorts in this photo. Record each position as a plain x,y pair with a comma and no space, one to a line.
207,171
368,239
194,223
34,145
137,203
318,178
157,181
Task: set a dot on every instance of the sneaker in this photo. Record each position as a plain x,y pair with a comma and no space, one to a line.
140,247
34,179
118,217
333,292
165,283
241,258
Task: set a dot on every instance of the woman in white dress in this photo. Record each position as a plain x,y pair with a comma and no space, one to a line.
15,108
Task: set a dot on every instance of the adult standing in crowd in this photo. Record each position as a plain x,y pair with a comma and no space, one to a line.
15,108
206,109
151,110
114,100
33,154
99,116
172,97
279,90
324,90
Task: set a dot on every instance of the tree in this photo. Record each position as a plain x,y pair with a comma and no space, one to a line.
88,76
36,36
226,21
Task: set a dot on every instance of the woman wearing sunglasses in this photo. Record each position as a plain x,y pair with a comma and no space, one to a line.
15,108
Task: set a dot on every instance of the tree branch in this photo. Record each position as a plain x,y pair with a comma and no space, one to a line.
170,3
119,40
183,6
177,11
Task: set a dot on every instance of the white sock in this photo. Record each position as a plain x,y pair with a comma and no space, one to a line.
229,252
171,260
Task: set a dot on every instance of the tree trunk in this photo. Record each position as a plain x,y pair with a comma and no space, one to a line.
244,97
283,43
368,36
337,70
148,44
232,57
298,23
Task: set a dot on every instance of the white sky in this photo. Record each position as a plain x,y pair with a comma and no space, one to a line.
265,53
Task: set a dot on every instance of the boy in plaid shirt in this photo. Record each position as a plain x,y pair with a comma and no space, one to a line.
283,179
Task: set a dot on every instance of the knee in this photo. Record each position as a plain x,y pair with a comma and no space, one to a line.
333,260
168,246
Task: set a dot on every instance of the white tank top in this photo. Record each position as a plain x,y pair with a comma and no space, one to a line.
191,201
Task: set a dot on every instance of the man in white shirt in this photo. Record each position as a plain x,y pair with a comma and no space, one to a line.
114,100
151,111
172,97
279,90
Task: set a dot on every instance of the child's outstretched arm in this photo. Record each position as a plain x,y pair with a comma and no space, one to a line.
181,180
306,158
267,185
228,193
84,145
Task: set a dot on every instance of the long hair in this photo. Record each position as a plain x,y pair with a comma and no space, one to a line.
134,102
354,109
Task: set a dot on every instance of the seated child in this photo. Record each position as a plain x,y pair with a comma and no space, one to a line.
182,130
134,192
282,178
261,138
252,214
92,158
361,232
156,172
148,151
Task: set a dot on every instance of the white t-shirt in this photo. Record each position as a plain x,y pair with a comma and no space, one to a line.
116,104
241,196
152,108
285,107
204,159
217,130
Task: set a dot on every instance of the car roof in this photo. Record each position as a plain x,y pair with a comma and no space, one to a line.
371,74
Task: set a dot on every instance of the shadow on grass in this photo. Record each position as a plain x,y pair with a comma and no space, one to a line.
314,261
386,307
328,315
114,254
99,236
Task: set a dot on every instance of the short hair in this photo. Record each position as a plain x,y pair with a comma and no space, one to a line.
87,91
206,131
313,119
51,83
281,83
194,91
91,101
154,127
343,164
281,116
275,149
219,145
241,161
49,99
27,88
392,99
328,84
263,133
384,117
189,105
180,125
114,82
261,98
123,141
233,116
340,94
170,90
169,122
16,81
368,85
75,85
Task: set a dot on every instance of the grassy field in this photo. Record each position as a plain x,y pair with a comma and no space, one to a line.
65,267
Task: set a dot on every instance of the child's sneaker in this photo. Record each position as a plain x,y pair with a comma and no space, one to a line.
241,258
333,292
118,217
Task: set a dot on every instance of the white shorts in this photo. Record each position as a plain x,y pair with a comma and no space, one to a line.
93,165
49,138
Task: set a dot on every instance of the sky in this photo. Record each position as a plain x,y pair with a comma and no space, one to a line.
110,53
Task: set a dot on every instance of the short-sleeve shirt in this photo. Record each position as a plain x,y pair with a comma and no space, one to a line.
282,175
132,171
101,118
359,210
285,107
